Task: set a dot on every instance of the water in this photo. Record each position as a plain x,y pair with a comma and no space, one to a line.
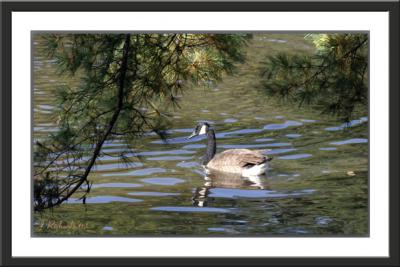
163,181
296,156
103,199
351,141
165,191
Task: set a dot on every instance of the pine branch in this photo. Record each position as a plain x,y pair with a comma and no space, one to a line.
121,85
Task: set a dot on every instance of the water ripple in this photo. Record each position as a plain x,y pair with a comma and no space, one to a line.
191,209
327,148
116,185
323,220
243,146
163,181
238,132
279,126
264,139
190,164
165,152
309,121
231,120
103,200
114,166
295,156
348,125
167,158
155,194
280,151
293,135
194,146
141,172
279,144
243,193
350,141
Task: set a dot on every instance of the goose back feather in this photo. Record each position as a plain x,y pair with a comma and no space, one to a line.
235,160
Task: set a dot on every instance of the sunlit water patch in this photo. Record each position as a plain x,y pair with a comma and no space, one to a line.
120,150
308,120
278,144
169,158
102,159
116,185
42,111
194,146
283,175
230,120
280,126
328,148
190,164
46,107
116,166
259,118
163,181
323,220
348,125
293,231
217,229
280,41
192,209
293,135
350,141
113,143
45,128
103,200
295,156
237,132
279,151
165,152
242,193
177,140
153,194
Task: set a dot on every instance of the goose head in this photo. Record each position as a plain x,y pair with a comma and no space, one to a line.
201,128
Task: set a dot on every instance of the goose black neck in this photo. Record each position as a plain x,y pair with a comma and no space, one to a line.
211,147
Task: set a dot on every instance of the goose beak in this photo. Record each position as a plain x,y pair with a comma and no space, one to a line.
192,135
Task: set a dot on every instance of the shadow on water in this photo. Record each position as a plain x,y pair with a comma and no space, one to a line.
232,186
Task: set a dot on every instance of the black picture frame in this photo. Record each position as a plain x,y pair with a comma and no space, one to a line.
315,6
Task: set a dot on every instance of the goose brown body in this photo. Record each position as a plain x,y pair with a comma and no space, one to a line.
235,160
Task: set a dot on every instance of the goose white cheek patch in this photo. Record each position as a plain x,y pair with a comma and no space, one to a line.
202,130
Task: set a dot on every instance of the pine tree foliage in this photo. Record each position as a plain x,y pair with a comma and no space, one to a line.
127,84
334,79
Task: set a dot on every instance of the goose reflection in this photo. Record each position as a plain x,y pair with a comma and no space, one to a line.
217,179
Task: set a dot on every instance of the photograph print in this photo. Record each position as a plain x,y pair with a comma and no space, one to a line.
191,134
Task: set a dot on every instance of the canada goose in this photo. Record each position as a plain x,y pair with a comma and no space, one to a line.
240,161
